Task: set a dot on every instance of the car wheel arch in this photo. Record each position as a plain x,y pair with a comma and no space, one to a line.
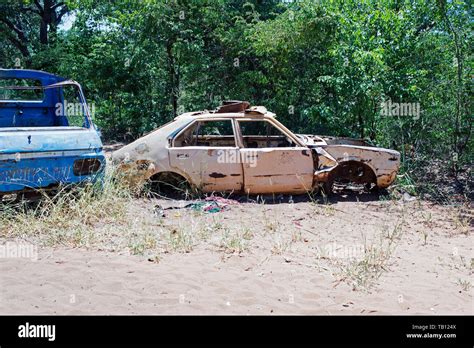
350,170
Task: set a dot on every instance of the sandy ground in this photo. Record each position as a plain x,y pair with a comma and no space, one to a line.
346,257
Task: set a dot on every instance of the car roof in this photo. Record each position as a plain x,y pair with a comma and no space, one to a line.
257,112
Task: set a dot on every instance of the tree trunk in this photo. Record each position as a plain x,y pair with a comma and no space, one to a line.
174,78
459,91
361,123
45,21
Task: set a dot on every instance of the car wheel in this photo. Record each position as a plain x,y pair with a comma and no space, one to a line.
170,185
351,175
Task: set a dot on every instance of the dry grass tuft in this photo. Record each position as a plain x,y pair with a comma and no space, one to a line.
363,273
70,217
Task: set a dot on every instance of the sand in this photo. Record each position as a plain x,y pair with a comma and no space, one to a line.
285,258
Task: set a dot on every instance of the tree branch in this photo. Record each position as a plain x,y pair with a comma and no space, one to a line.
13,27
40,9
29,9
20,46
54,7
61,14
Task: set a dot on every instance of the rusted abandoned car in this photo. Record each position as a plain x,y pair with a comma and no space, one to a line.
245,149
47,137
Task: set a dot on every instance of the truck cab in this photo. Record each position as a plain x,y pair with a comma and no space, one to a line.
47,137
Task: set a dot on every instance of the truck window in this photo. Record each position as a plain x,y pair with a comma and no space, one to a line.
7,93
70,107
26,103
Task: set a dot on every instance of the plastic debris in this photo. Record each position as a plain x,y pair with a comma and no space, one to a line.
211,204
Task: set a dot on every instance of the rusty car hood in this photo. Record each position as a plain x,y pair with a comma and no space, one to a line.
310,139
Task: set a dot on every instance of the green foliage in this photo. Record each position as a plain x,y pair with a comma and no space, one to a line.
323,66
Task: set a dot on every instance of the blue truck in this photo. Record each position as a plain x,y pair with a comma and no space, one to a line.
47,137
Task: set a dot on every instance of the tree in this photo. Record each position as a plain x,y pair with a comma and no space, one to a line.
21,21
